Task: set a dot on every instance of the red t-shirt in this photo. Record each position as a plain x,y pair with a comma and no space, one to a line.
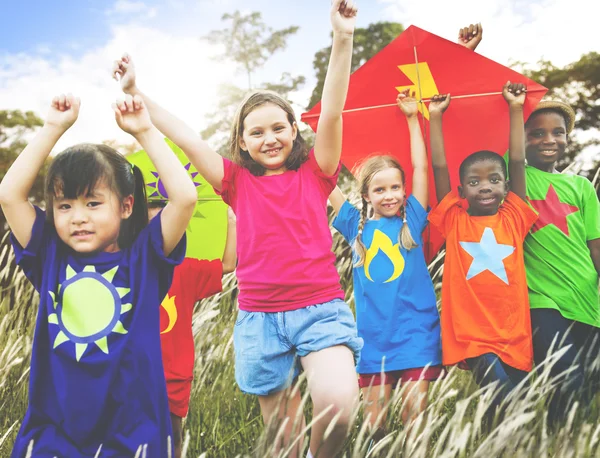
485,307
284,240
192,280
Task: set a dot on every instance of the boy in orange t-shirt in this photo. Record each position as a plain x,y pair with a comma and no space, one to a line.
485,310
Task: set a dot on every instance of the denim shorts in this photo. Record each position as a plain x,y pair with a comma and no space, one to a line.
268,345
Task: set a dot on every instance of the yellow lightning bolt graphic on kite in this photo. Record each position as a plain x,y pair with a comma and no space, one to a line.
382,242
168,304
419,74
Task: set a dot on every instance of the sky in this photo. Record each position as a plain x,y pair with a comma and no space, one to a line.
46,49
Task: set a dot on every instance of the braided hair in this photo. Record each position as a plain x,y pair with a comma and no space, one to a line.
365,174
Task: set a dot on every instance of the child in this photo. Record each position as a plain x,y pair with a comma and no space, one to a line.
396,309
485,312
96,382
562,259
292,313
193,280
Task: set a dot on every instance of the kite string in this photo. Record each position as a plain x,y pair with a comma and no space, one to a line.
454,97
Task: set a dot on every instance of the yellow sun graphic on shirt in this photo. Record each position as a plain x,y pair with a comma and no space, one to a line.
87,308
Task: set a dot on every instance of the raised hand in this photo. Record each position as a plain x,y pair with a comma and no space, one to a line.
439,103
131,115
407,103
470,36
514,94
123,70
63,112
343,16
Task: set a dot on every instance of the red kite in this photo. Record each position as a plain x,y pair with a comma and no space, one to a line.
477,118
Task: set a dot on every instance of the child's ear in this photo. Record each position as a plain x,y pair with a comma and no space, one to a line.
294,130
461,192
243,144
506,187
366,197
127,207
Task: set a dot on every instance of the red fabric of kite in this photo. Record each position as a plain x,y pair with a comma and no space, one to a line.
477,118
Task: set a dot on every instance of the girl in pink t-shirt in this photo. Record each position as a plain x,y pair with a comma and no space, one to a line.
292,315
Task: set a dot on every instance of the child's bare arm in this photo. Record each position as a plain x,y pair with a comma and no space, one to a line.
418,153
230,254
439,104
337,199
132,116
207,162
17,183
328,142
514,94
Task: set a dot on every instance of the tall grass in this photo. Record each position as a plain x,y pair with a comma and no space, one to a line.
223,422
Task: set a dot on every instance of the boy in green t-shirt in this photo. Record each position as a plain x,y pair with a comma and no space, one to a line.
562,258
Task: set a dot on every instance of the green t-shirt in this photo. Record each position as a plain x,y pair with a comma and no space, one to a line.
560,271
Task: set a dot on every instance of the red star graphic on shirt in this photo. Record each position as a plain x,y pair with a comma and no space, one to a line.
552,211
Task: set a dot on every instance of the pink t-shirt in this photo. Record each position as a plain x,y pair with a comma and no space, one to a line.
284,242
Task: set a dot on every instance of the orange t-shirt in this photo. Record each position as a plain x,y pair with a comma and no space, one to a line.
485,307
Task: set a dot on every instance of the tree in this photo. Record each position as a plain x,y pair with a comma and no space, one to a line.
367,43
579,85
15,125
249,43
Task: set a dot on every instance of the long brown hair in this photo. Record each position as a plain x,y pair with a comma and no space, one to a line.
365,173
251,102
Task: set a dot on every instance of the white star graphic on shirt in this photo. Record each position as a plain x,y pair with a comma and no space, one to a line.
488,254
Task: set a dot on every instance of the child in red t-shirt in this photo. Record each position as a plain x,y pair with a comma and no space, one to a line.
193,280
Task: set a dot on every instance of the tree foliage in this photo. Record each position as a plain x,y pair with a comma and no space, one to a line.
367,42
249,43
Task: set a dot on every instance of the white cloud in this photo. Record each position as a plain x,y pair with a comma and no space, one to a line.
177,72
557,30
132,7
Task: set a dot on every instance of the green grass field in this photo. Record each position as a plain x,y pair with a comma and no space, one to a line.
225,423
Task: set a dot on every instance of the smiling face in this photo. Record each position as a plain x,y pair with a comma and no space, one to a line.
484,186
545,140
91,223
268,137
386,193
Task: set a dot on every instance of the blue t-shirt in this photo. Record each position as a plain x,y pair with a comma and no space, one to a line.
96,375
396,311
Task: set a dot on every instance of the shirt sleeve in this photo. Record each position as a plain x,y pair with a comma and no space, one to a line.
522,215
208,277
227,192
591,211
416,218
444,215
346,221
31,258
327,182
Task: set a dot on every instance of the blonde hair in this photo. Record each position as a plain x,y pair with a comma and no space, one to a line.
366,172
251,102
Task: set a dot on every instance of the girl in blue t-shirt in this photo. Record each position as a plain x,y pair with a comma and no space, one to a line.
396,309
96,384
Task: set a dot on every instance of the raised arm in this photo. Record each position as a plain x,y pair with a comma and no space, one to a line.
514,94
207,162
418,153
132,116
230,253
439,104
328,142
337,199
17,183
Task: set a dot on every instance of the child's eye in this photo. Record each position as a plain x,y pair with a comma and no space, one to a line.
94,204
495,180
395,187
64,206
473,182
255,133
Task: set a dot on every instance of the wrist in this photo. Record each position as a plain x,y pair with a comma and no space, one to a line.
516,109
54,129
343,35
132,90
147,135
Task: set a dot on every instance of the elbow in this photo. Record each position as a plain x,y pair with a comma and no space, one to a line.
228,267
